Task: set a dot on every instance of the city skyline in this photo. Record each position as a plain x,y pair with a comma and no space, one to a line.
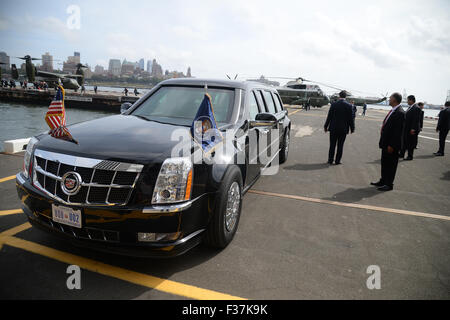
371,47
115,67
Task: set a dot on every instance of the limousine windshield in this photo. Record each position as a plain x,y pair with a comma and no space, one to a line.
178,105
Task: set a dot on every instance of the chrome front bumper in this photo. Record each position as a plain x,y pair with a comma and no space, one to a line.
178,207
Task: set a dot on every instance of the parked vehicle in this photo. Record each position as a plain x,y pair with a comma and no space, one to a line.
120,189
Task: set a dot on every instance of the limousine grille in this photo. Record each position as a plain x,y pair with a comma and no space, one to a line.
102,182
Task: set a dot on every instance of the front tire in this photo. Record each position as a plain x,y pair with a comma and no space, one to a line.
284,152
227,210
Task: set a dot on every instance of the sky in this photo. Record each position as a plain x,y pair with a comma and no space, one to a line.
367,47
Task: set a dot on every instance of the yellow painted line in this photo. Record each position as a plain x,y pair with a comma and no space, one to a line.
141,279
7,178
290,114
13,231
353,205
8,212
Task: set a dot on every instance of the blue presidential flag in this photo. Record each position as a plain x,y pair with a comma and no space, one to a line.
204,127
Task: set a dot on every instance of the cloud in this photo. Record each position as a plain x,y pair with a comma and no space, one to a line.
430,35
4,24
55,25
188,33
42,27
378,51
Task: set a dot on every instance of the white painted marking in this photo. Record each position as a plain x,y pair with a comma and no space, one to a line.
432,138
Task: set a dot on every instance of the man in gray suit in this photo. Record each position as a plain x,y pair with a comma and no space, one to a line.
390,143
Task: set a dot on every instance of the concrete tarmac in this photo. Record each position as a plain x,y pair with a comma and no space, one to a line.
309,232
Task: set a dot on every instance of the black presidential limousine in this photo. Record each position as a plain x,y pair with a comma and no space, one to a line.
118,188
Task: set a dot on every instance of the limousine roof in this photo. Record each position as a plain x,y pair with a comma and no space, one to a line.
246,85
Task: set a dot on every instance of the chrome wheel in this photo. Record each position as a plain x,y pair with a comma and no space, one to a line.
233,206
286,144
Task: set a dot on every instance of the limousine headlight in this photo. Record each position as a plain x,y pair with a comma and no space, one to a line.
27,156
174,183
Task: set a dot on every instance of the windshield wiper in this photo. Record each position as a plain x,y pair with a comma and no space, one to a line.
159,121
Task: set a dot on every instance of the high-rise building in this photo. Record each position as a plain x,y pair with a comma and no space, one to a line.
99,70
156,69
448,96
188,74
47,62
5,59
149,66
128,68
174,74
115,67
70,66
142,64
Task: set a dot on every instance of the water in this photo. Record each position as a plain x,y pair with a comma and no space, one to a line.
116,89
19,121
428,112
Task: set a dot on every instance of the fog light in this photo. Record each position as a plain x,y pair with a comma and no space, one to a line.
153,237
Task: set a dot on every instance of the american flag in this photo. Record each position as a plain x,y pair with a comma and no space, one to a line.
56,114
56,117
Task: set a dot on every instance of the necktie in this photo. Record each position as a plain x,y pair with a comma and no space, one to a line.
385,119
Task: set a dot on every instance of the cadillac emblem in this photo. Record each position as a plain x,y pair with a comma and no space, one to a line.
71,183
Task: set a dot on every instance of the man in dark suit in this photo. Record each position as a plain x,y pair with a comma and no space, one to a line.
354,109
411,128
443,127
421,105
422,114
390,143
339,122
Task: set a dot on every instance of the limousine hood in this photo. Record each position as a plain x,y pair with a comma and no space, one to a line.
120,138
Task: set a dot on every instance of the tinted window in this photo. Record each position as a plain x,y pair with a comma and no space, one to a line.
179,105
253,106
269,102
260,101
277,102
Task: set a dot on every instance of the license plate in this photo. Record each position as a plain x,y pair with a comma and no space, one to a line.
66,216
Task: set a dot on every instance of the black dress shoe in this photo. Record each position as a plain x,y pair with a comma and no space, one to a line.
377,184
338,163
385,188
409,158
330,162
438,154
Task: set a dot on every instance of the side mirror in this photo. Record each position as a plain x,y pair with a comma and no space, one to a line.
263,120
124,107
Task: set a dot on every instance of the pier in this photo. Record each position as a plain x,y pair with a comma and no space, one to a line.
103,100
310,232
